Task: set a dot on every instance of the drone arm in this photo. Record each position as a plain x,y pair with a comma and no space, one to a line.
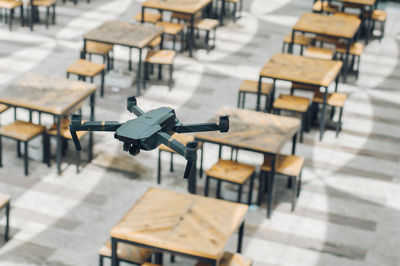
189,152
223,126
76,125
131,105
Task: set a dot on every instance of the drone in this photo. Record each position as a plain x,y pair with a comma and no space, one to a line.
149,130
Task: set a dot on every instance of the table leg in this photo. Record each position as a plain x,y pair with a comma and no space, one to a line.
369,22
240,238
294,144
91,140
114,259
139,72
222,15
271,187
191,37
142,21
159,258
192,179
259,94
322,122
31,17
58,149
346,60
292,43
271,101
83,54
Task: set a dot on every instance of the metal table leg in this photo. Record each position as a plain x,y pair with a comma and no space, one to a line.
258,94
222,15
322,122
271,185
191,37
58,150
139,74
83,54
240,238
92,118
294,144
114,259
346,60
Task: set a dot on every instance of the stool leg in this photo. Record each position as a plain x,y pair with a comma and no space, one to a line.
239,197
294,194
238,102
159,72
260,187
243,99
339,124
22,15
47,17
11,18
159,168
171,70
251,185
201,160
218,189
7,222
302,127
1,153
207,41
102,84
207,186
19,149
289,182
77,160
101,260
174,42
26,159
171,167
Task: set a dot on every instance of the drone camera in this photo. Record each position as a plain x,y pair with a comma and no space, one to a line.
132,149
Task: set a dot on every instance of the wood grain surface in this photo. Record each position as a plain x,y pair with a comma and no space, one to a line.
255,131
184,223
301,69
335,26
182,6
46,94
124,33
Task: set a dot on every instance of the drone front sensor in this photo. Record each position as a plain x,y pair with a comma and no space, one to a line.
149,130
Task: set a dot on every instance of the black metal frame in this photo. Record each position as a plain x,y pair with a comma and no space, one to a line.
213,262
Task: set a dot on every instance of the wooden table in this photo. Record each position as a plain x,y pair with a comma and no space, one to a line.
189,7
55,96
125,34
257,132
331,26
183,224
302,70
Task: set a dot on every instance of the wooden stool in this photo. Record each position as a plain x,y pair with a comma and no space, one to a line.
126,253
304,87
184,139
47,4
319,53
324,7
251,86
335,100
160,58
65,136
23,132
102,49
11,5
324,39
235,4
230,259
84,68
294,104
299,39
149,17
5,203
231,172
287,165
208,25
356,49
173,29
380,17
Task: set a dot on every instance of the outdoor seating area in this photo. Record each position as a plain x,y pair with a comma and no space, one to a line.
200,132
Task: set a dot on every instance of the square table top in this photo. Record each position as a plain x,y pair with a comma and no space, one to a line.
334,26
46,94
255,131
360,2
301,69
180,222
182,6
124,33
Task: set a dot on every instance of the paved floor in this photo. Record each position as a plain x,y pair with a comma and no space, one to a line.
349,209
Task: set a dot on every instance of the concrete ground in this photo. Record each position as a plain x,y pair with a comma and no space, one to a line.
349,209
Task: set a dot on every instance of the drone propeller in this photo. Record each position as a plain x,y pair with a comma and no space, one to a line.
191,157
